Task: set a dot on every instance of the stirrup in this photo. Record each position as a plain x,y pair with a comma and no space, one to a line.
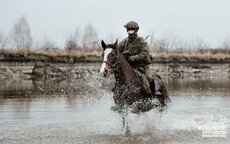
158,93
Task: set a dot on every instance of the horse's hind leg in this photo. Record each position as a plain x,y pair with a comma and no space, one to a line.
153,88
161,94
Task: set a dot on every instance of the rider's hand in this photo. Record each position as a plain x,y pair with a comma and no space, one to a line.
126,54
131,58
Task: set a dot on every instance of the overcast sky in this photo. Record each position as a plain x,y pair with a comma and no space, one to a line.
188,19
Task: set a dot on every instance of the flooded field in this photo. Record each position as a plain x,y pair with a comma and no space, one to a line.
77,110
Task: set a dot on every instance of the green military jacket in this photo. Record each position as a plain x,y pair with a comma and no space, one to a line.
138,50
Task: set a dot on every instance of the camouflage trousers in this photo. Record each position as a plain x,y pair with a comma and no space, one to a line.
145,77
148,76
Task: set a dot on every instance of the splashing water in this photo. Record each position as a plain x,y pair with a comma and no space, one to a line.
85,117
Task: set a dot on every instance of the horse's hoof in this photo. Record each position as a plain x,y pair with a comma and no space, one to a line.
127,132
115,108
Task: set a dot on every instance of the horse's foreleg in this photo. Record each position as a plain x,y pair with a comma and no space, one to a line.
123,121
126,128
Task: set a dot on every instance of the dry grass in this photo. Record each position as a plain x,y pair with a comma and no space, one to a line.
191,57
81,52
50,52
213,55
15,52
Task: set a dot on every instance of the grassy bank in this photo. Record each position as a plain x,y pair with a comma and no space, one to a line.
193,57
94,55
49,55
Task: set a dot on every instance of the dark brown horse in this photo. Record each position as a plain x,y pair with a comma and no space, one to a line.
131,94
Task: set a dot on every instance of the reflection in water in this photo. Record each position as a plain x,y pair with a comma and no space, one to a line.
91,83
21,108
77,110
200,86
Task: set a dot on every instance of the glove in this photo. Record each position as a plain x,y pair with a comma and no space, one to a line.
131,58
126,54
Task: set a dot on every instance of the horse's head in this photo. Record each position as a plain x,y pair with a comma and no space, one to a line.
109,57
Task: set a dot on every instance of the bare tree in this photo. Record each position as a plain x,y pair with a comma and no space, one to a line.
73,41
4,40
226,43
47,44
151,40
163,44
21,35
90,37
182,45
111,38
198,45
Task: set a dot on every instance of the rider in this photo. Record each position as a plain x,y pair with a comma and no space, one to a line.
136,51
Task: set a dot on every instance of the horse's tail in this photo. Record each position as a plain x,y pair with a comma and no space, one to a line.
163,98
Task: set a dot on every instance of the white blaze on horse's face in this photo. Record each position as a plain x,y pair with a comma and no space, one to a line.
104,66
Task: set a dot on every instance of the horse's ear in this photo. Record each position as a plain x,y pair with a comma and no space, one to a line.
103,44
116,44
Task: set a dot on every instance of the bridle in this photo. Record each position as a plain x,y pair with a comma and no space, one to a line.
114,63
108,63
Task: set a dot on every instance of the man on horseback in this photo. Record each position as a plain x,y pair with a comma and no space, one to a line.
136,51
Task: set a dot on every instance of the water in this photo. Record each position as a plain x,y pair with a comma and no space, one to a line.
78,111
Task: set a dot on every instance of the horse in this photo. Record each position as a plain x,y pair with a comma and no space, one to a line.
132,97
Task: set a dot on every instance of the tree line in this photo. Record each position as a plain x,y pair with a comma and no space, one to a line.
20,37
87,39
